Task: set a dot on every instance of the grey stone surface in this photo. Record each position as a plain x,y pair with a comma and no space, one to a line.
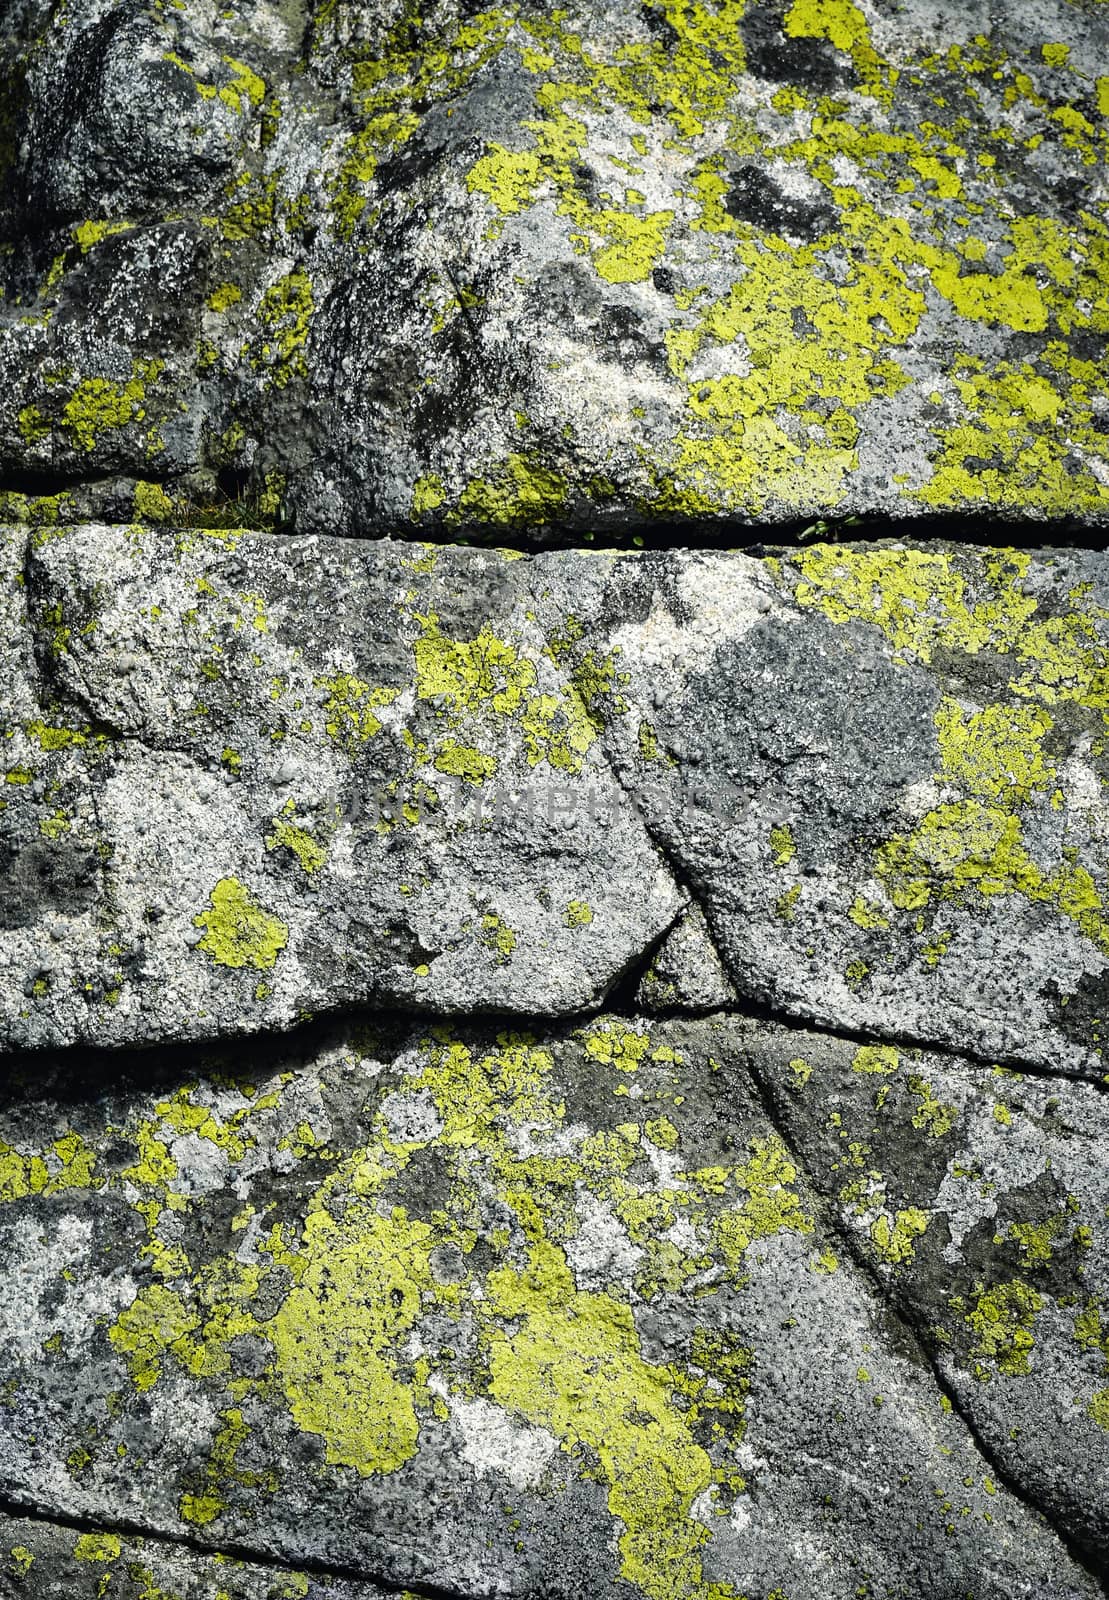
251,778
527,267
42,1560
881,771
484,1217
489,1314
686,973
980,1199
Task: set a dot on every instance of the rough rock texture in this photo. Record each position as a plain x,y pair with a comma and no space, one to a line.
485,267
545,1057
250,778
979,1199
510,1314
881,771
51,1562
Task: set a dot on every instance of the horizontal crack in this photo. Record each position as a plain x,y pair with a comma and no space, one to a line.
125,1528
165,1060
989,529
759,1010
955,1054
46,483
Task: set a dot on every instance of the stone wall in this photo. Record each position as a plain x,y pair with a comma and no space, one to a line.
554,862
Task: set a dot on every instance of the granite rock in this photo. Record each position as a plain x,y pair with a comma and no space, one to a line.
880,770
47,1561
555,1314
978,1199
535,269
249,778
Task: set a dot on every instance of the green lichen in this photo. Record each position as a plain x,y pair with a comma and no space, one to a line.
428,495
996,753
68,1163
104,1547
90,234
782,844
488,676
349,709
1001,1323
520,492
894,1240
100,405
932,1116
497,936
238,931
462,761
153,504
876,1058
285,316
224,297
288,835
339,1297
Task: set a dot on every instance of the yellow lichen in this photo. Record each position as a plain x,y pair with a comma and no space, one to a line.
894,1240
238,931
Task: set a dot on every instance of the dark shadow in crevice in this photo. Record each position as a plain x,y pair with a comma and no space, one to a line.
769,536
47,482
126,1528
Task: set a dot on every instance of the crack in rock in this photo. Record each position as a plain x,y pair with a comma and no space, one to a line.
574,1267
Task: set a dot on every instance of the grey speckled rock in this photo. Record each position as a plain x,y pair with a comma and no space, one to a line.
250,777
686,973
981,1199
522,266
882,772
505,1315
42,1561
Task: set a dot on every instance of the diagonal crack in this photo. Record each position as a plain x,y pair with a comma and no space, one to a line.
911,1328
125,1528
914,1335
764,1011
831,1221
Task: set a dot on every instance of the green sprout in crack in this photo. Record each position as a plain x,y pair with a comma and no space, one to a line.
823,531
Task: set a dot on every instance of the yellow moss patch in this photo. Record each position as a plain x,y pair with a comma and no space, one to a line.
894,1241
97,1547
876,1058
238,931
337,1336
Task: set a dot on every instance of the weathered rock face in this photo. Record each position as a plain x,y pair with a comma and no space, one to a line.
58,1563
560,1314
282,777
571,1071
251,778
882,771
978,1199
465,267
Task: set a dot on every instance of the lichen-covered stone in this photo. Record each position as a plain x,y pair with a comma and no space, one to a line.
250,777
519,266
979,1199
489,1314
882,771
40,1560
